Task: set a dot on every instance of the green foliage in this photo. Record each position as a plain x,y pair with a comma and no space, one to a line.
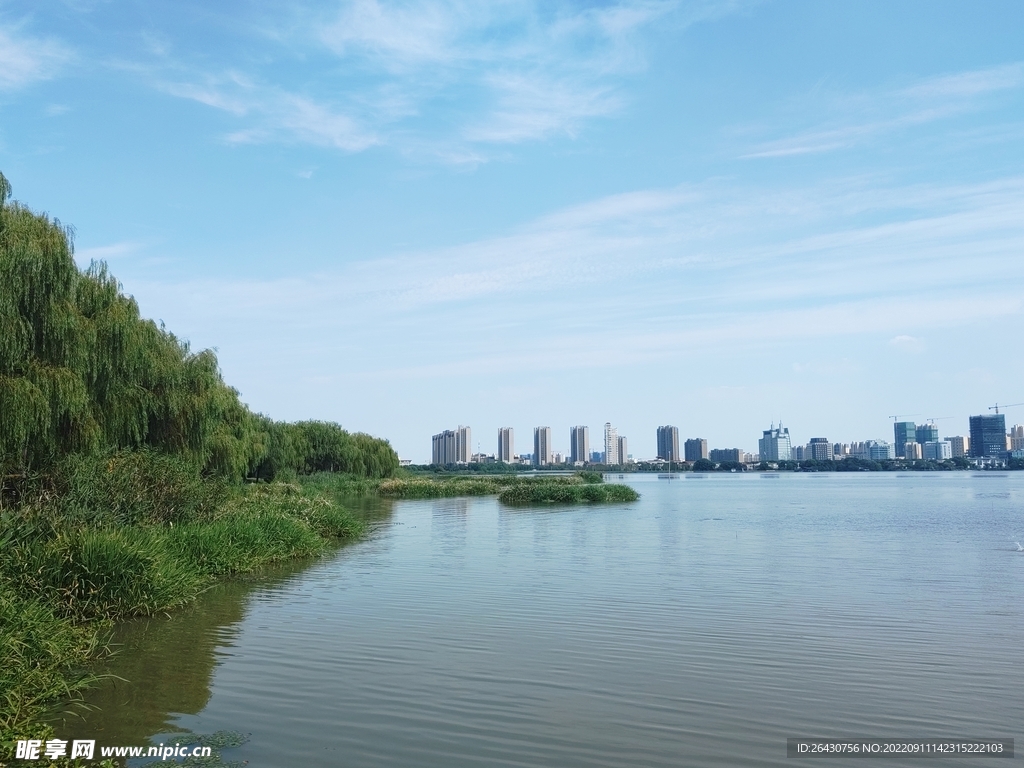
82,373
447,486
103,573
62,578
309,447
731,466
321,446
429,488
703,465
41,652
541,492
242,543
133,487
855,464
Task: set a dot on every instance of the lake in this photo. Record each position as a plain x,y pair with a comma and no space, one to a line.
700,626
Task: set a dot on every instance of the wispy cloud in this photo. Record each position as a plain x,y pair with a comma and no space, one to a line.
111,252
25,59
677,269
452,79
276,115
867,117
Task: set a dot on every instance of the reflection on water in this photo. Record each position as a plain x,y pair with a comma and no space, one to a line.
164,665
702,625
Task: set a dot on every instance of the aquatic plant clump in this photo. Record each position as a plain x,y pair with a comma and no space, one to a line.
557,493
447,486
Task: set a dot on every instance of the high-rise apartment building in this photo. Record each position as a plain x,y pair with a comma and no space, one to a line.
541,446
611,445
579,445
623,450
668,443
988,435
695,449
904,432
453,446
820,449
506,444
937,450
879,450
774,444
912,451
959,445
719,455
926,433
1017,438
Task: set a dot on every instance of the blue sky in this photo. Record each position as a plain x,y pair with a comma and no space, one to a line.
405,216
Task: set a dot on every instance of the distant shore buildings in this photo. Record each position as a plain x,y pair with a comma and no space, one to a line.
774,444
668,443
579,445
988,444
611,444
453,446
988,435
542,446
506,445
695,449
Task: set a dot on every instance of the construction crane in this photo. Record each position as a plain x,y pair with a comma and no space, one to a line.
899,416
938,418
997,406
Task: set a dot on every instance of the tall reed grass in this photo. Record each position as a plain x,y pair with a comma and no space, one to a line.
65,577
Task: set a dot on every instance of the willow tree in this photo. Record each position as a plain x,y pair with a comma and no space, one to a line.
82,372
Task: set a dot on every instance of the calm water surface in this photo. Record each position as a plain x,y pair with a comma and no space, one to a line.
699,626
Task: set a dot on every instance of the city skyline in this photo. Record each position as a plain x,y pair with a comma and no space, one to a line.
776,443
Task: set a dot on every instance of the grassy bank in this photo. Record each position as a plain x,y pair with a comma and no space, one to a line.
71,569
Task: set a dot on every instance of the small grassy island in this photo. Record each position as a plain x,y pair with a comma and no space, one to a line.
131,475
581,487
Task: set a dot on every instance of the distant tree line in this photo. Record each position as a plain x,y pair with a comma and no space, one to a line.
82,373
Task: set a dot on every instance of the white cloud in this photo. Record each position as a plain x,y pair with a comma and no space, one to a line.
533,108
969,84
110,252
26,60
663,271
276,115
450,79
866,117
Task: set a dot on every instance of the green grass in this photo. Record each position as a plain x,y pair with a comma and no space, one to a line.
547,493
64,578
443,486
43,654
